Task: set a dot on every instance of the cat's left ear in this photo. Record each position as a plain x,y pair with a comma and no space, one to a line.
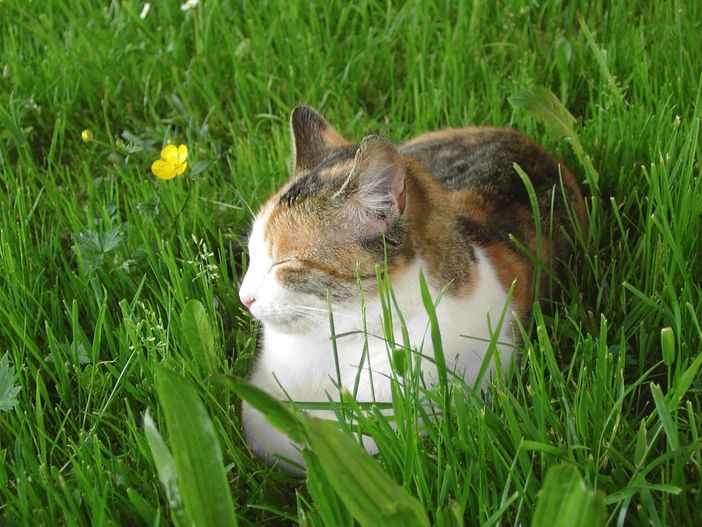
374,192
313,138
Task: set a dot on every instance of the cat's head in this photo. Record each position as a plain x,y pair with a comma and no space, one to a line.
337,217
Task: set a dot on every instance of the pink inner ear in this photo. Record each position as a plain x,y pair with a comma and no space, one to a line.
375,186
397,188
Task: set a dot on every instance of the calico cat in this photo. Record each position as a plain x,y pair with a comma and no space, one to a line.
446,203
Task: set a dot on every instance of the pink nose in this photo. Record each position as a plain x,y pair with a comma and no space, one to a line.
247,301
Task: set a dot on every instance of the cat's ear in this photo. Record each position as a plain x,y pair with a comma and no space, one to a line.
312,136
375,189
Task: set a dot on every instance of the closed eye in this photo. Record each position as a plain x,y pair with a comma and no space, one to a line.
280,262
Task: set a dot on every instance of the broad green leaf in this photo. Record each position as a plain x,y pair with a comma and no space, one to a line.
275,412
93,246
8,389
149,208
111,239
331,509
202,481
199,336
371,495
165,466
565,501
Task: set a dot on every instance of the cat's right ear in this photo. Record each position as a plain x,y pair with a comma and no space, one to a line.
313,137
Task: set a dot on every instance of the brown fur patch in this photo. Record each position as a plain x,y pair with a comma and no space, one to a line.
313,138
430,218
473,204
510,266
332,138
290,234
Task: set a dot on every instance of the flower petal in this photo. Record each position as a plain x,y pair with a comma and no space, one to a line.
163,170
170,154
182,153
179,169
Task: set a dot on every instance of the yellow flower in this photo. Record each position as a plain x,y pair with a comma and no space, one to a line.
87,135
173,162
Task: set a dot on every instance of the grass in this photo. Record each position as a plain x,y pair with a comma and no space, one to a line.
98,259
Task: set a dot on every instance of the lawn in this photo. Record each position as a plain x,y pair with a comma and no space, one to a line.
101,262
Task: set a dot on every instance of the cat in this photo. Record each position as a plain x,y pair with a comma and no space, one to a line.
445,202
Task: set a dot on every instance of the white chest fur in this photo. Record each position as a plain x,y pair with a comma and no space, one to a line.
305,366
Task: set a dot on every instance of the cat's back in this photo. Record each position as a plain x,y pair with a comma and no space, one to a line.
476,164
458,157
483,158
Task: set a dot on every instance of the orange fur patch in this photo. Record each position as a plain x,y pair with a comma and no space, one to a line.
511,266
473,205
333,138
449,134
338,170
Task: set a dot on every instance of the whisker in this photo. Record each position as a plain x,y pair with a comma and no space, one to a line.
303,313
320,310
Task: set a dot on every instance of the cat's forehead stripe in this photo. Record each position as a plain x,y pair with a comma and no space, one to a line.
303,187
330,173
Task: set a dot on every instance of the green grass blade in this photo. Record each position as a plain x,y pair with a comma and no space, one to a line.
685,380
601,59
437,346
665,417
534,204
